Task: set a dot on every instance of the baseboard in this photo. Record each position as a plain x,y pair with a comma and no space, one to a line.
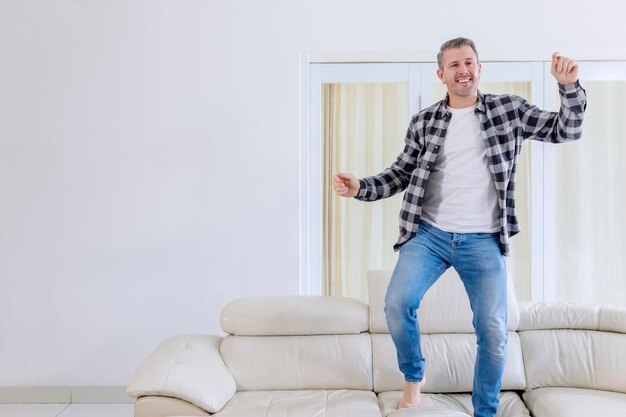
64,395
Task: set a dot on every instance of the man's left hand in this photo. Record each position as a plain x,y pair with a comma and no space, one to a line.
564,69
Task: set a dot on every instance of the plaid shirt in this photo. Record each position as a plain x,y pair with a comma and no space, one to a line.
505,121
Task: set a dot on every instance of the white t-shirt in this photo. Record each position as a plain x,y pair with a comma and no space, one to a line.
460,196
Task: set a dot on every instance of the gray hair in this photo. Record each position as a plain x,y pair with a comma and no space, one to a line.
455,43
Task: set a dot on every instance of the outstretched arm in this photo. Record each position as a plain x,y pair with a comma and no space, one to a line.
389,182
566,125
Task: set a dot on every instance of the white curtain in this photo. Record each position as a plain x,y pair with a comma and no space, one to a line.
364,129
591,201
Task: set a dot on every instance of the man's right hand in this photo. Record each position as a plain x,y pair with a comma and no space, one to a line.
346,185
564,69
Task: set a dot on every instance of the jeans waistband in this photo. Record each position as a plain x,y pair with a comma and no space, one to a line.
432,228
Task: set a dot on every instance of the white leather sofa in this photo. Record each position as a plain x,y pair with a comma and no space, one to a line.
333,357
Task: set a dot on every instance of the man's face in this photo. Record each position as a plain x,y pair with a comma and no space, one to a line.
461,71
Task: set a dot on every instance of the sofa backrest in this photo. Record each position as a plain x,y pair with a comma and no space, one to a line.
295,342
448,339
569,345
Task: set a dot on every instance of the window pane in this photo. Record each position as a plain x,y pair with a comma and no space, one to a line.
364,130
590,199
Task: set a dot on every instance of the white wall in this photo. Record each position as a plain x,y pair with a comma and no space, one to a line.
149,155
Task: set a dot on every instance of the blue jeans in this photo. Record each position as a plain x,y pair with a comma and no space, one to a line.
480,264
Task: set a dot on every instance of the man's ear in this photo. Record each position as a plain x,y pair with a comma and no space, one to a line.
440,75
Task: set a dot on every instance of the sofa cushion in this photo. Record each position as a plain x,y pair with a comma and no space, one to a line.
449,405
449,363
294,315
575,358
444,309
188,367
575,402
302,404
299,362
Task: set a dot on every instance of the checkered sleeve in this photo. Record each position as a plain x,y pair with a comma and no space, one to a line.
564,126
395,178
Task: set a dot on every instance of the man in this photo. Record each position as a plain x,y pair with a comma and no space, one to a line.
458,169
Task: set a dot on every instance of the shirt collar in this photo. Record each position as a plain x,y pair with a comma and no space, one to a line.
442,111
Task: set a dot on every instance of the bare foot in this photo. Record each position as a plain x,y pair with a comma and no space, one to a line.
411,395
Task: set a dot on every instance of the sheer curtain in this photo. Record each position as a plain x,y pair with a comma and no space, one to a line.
364,129
590,201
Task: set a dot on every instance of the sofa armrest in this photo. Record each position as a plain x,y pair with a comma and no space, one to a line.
188,367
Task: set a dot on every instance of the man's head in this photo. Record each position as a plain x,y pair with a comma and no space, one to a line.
455,43
459,68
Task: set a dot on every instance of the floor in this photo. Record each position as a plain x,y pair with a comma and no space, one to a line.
66,410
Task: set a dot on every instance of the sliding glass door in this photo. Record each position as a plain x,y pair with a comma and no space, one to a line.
568,197
586,196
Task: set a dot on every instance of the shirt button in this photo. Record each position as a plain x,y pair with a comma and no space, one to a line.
427,166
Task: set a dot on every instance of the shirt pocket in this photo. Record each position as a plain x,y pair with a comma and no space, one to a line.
505,130
506,138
